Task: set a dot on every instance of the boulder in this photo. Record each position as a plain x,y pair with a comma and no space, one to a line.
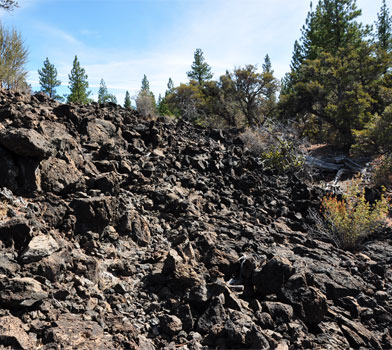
20,291
25,143
272,276
136,226
73,332
13,333
15,232
39,247
59,176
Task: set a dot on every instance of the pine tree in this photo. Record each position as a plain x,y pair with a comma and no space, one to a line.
200,70
145,84
334,68
331,26
269,104
384,28
78,84
127,101
13,58
170,87
145,100
103,94
48,80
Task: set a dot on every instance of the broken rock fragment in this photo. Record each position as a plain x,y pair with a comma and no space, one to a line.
38,248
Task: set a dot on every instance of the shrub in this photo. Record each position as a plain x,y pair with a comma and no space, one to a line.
382,171
278,150
351,219
145,104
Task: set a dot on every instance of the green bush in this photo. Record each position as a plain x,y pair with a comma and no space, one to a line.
382,171
351,219
278,150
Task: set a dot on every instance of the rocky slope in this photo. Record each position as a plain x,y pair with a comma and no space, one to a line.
119,233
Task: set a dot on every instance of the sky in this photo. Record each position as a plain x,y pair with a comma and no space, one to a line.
121,40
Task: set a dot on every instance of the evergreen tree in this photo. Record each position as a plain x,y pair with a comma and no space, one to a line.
127,101
334,69
48,80
200,70
145,84
162,106
103,94
384,28
145,100
13,58
170,87
271,87
331,26
78,84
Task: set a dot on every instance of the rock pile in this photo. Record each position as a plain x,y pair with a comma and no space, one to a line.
121,233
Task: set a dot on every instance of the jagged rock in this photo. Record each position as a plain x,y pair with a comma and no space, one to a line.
272,276
9,171
184,275
212,320
280,313
171,324
7,265
58,176
20,291
93,213
39,247
13,333
71,331
309,303
52,267
169,234
136,226
25,143
358,335
15,232
100,130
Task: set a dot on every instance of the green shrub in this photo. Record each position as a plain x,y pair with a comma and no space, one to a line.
351,219
278,150
382,171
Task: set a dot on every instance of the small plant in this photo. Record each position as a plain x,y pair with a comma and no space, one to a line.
283,157
351,219
278,150
382,171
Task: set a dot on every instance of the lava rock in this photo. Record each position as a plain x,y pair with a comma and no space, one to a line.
39,247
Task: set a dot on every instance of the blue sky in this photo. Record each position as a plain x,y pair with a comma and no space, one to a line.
121,40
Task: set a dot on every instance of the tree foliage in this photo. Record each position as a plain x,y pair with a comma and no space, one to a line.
127,100
200,70
186,101
103,94
78,84
48,80
145,100
333,86
252,92
13,58
384,28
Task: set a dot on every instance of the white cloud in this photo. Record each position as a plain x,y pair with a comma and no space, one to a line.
230,33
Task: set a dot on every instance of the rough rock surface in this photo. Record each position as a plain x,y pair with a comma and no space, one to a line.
122,233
